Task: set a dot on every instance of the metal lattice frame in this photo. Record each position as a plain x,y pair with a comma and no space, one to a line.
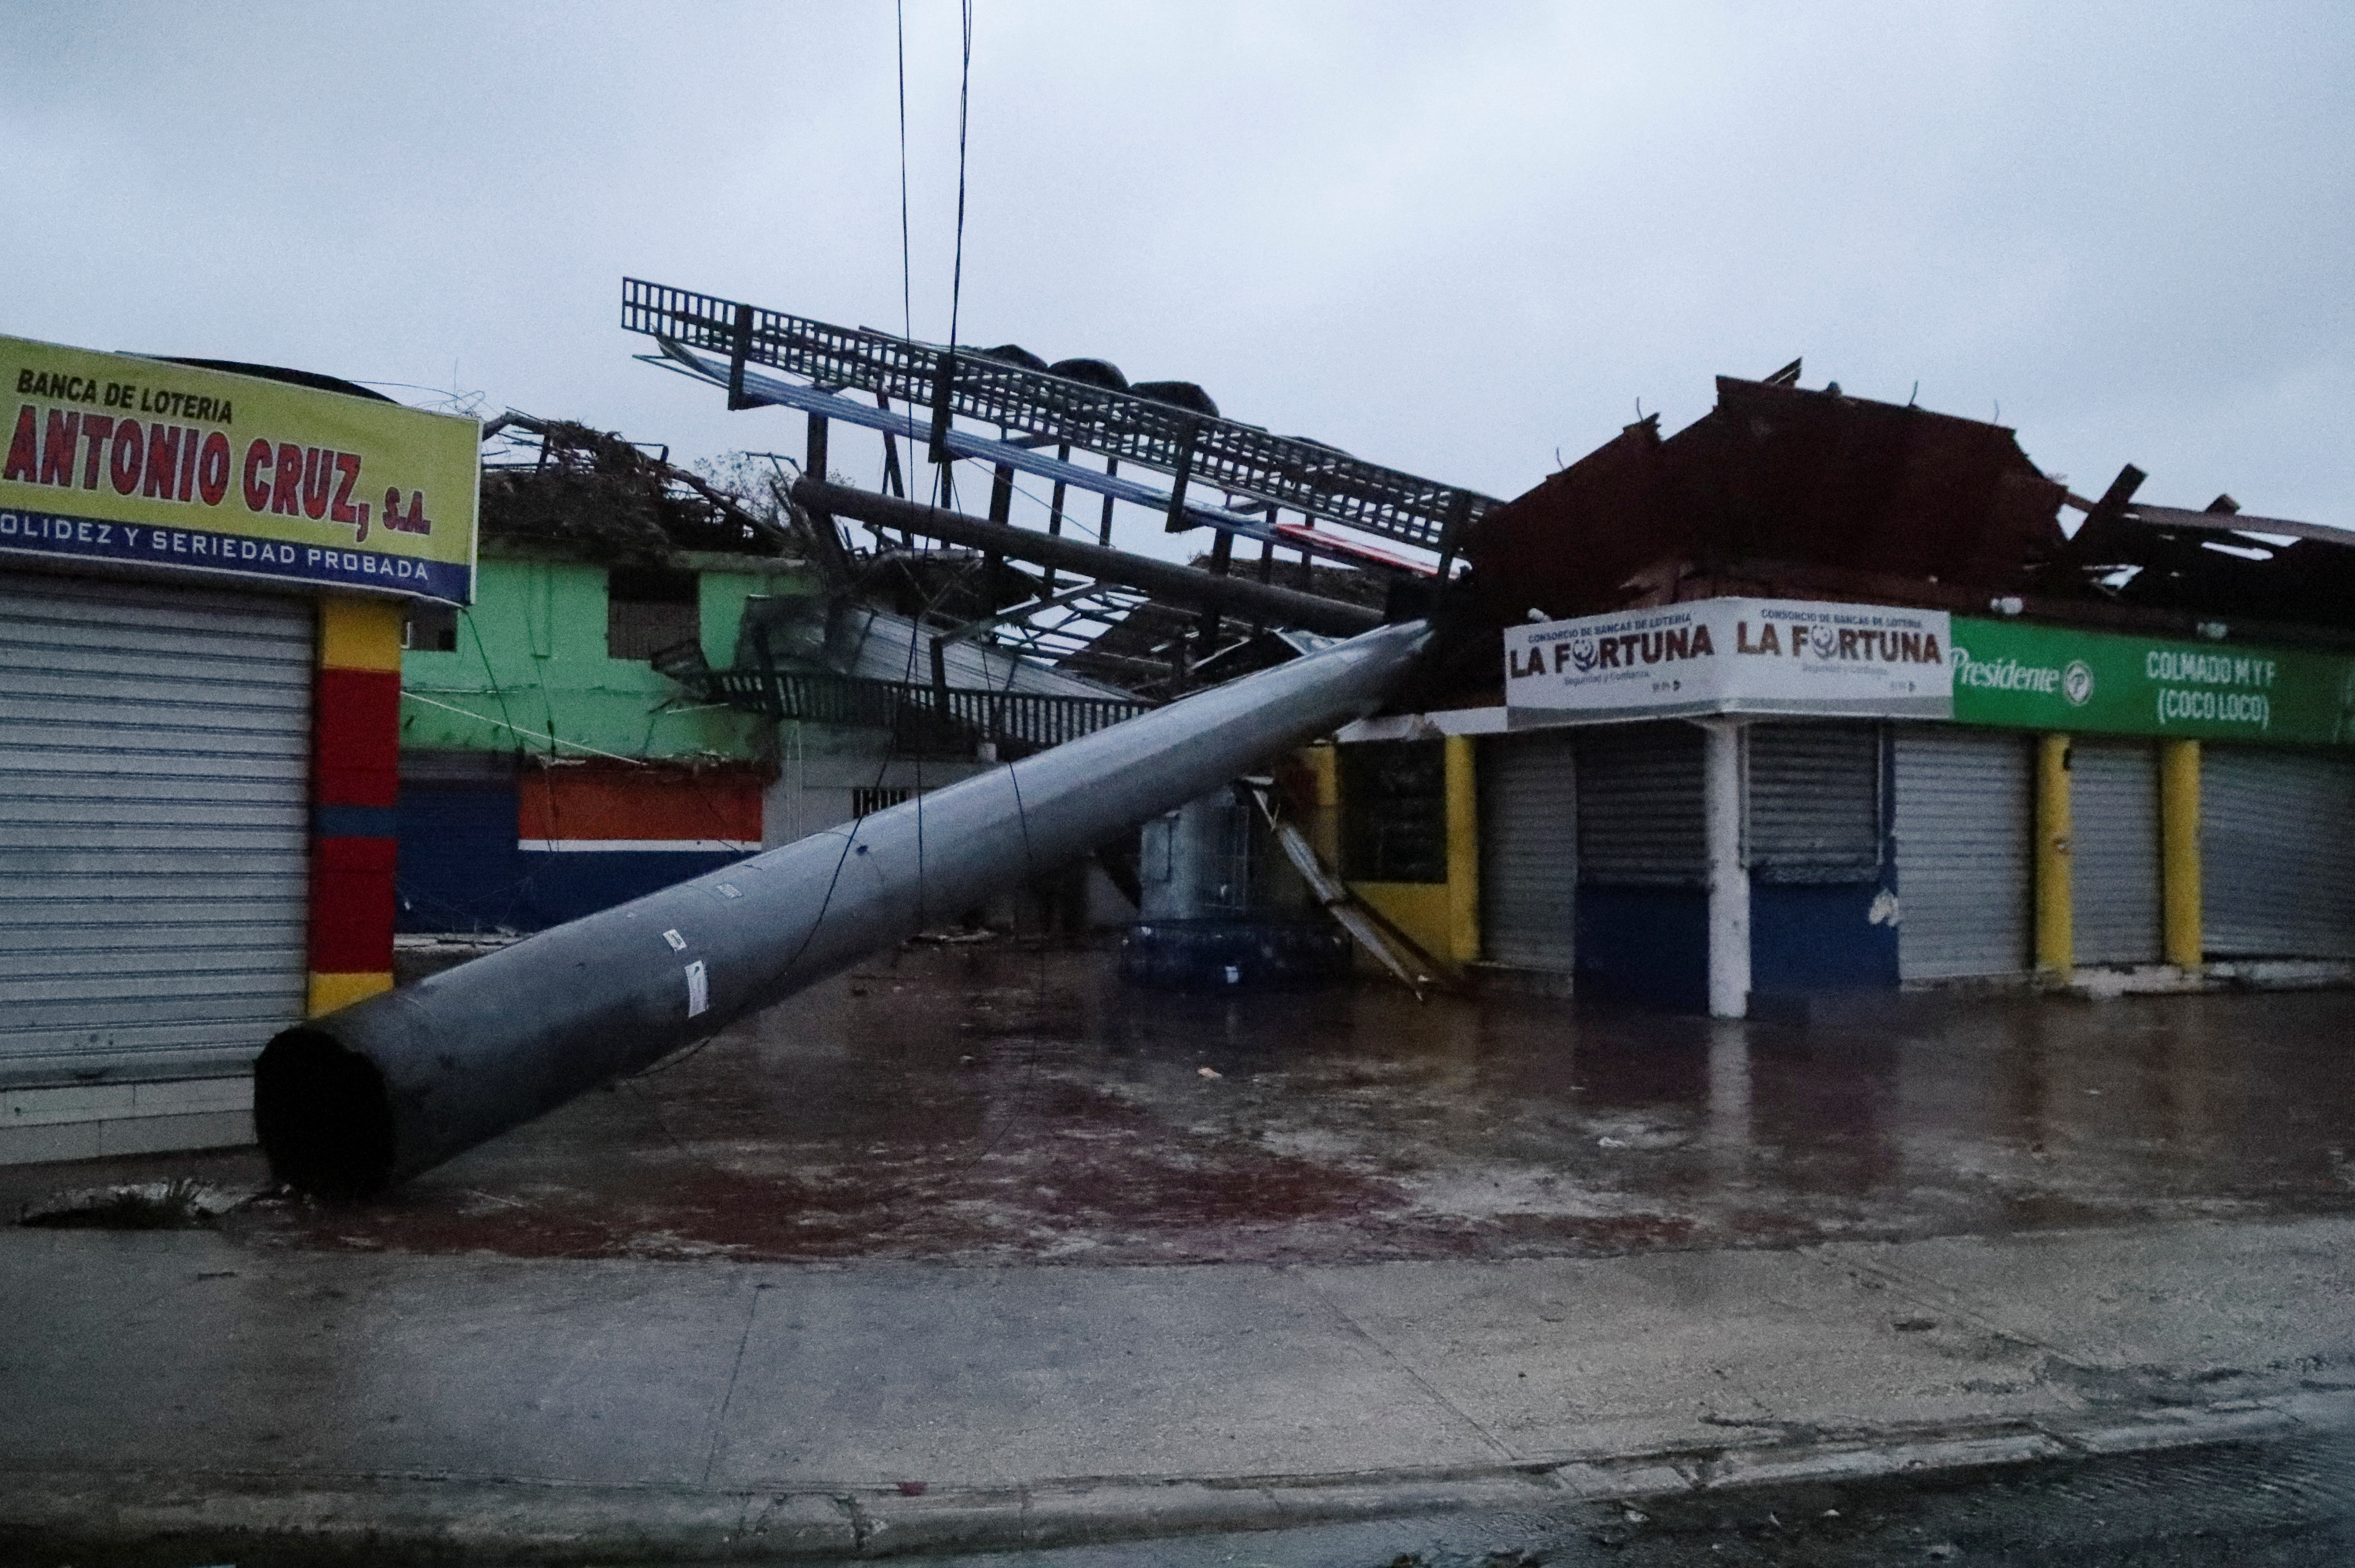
1028,717
1237,459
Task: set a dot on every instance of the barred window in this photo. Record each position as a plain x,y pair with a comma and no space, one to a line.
866,801
429,627
1394,811
649,609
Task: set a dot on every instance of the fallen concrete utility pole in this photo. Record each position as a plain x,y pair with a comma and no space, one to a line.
349,1103
1238,596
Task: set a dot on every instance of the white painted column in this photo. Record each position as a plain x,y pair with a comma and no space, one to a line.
1729,1101
1723,768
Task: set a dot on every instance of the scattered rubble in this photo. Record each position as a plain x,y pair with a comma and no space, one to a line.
181,1203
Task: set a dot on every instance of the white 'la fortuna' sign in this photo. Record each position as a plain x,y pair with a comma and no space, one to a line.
1730,655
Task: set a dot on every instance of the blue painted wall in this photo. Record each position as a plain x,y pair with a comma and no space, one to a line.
459,868
461,871
1644,944
562,885
1817,937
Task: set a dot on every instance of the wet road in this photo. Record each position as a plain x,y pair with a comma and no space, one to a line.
992,1104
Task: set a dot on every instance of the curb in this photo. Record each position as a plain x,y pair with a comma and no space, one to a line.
226,1516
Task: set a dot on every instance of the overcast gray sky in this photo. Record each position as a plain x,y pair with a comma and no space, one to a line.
1455,238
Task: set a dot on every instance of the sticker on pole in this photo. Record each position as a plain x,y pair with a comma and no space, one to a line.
699,990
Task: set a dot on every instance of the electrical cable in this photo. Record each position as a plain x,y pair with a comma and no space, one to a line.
849,841
941,491
907,286
413,696
956,295
964,99
498,692
956,289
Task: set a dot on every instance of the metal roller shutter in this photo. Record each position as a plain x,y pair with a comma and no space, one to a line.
2114,851
1529,850
1640,815
1815,802
154,796
2277,854
1966,819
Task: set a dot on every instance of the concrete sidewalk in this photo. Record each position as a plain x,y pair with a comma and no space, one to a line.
182,1387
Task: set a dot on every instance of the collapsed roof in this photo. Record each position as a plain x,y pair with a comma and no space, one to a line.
2219,565
1790,493
1799,488
555,482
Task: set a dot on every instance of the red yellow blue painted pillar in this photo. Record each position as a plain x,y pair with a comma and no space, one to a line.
355,786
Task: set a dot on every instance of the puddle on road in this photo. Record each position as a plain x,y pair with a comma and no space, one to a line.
998,1105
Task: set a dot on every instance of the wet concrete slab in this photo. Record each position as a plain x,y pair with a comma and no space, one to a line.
1192,1371
2225,1309
1569,1358
201,1354
994,1105
191,1352
230,1398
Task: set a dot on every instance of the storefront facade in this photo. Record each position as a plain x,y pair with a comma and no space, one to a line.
1674,805
203,579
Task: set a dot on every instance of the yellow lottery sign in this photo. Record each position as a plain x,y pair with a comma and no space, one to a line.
112,457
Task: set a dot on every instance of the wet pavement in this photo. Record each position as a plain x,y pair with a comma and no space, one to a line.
248,1402
998,1103
2242,1506
1501,1263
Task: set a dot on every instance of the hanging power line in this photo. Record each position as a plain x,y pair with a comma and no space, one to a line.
907,286
964,101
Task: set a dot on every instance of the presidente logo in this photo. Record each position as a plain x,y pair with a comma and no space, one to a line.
2077,682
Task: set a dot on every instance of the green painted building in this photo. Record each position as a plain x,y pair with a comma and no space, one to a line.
549,768
552,661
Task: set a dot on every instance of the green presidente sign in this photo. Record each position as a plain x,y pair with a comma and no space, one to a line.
2013,674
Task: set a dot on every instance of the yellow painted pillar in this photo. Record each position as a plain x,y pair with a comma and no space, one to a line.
1315,791
1463,850
2179,847
2056,946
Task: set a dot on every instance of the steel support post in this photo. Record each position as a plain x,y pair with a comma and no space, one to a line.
740,348
1175,522
1223,556
893,483
1055,519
